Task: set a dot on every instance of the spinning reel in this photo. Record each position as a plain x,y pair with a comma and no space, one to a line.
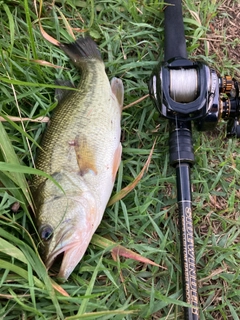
185,92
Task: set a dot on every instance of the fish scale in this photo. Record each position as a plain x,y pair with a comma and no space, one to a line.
81,150
66,120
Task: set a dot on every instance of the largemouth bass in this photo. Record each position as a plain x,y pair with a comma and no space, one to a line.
81,150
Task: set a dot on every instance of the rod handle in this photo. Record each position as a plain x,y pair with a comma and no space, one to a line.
174,43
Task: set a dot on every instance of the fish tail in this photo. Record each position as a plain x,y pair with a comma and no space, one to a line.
81,49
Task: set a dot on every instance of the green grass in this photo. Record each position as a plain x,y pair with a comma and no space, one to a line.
130,37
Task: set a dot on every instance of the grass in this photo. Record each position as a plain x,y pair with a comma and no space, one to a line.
130,37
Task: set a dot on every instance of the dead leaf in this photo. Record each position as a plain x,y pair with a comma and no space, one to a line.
43,32
135,102
127,253
16,119
46,64
118,250
59,289
122,193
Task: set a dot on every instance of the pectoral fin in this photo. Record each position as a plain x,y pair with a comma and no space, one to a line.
85,155
118,90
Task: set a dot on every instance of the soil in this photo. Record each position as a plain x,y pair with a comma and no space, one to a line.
224,38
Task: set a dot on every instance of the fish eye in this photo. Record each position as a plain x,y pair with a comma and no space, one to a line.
46,232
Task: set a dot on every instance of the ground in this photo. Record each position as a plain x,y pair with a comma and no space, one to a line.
223,37
130,37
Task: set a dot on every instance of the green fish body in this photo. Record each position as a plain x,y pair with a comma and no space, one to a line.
81,150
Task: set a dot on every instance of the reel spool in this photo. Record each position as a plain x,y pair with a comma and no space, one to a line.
183,85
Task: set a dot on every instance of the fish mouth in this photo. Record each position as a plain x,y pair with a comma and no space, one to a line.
55,256
68,251
66,258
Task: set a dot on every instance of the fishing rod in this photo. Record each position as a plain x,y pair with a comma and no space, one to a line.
186,92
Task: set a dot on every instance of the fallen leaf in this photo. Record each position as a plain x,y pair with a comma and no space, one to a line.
127,253
135,102
59,289
46,64
18,119
43,32
118,250
122,193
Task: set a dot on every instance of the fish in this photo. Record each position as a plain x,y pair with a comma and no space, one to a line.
81,152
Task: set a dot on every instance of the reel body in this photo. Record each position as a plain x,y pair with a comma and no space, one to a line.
191,91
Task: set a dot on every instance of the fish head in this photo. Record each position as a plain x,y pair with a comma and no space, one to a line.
66,225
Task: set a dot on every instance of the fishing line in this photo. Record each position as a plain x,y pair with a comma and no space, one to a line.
175,92
188,79
182,165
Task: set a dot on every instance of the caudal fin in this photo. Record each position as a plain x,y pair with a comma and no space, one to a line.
82,48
